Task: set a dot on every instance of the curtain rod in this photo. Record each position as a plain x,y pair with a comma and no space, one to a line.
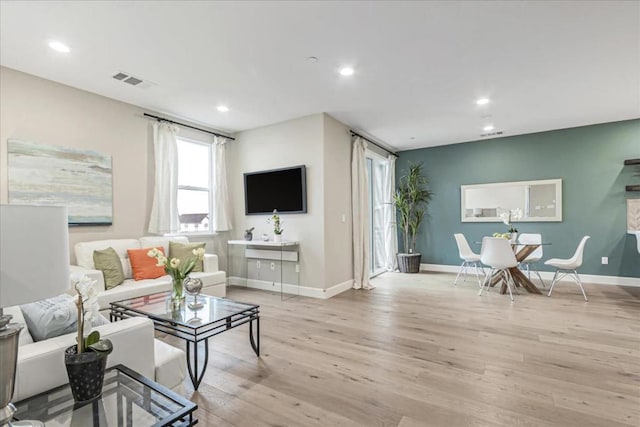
189,126
374,143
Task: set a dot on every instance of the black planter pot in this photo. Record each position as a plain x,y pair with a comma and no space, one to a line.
409,263
85,372
248,237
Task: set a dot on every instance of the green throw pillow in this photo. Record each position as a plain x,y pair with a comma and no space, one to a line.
184,252
108,261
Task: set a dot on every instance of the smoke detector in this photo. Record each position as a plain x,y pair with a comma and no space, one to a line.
132,80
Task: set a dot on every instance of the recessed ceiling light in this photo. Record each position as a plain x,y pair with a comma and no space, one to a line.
312,59
488,128
482,101
59,46
222,108
347,71
412,138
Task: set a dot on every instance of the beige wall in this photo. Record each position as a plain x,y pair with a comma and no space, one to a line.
46,112
322,144
291,143
338,248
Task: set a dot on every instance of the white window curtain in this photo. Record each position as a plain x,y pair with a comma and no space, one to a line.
164,211
221,206
360,214
389,215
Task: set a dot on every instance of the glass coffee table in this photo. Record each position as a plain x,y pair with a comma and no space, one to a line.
128,399
194,325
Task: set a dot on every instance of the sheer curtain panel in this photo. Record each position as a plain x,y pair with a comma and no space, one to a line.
164,211
360,214
389,215
221,213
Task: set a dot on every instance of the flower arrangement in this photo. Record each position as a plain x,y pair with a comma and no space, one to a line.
88,309
174,267
510,215
275,220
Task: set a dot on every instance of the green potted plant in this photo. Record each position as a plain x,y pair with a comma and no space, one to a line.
411,200
277,229
86,361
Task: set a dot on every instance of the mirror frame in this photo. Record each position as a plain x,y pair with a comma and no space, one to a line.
557,218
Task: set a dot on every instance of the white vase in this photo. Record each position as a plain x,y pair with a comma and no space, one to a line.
514,238
277,238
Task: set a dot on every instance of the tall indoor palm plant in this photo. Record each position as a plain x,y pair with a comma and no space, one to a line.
411,200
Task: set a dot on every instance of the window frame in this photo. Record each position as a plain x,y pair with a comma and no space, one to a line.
209,146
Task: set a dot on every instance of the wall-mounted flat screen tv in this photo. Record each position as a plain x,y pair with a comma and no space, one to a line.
282,189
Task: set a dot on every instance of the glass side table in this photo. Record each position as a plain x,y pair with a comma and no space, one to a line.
128,399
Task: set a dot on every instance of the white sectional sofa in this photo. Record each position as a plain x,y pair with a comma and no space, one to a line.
213,279
40,365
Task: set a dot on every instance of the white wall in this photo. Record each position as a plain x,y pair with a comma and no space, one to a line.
46,112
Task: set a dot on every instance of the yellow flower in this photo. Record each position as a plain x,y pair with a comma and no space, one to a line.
199,253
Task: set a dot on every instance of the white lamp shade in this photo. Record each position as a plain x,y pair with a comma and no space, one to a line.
34,253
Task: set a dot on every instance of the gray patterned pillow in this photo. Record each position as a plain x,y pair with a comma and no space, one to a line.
53,317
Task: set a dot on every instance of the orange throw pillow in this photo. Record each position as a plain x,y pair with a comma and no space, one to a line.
143,266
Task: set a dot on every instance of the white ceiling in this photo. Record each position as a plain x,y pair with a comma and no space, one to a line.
419,65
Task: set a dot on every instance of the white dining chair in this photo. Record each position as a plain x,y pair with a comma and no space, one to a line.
529,262
469,259
569,267
497,253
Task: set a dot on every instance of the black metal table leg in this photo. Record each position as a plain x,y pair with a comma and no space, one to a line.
255,344
196,374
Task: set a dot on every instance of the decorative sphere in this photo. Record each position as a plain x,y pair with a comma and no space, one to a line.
192,286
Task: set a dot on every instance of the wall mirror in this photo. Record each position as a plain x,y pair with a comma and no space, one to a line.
537,201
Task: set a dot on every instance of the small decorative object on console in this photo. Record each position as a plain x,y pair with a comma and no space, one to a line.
86,361
248,234
277,230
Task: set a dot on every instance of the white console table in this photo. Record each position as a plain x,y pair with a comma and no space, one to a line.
266,265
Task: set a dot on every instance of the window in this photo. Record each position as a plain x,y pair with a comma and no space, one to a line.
195,202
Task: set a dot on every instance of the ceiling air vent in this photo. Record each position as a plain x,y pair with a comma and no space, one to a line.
483,135
132,80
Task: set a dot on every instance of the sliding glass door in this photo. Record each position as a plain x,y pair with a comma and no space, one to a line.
377,172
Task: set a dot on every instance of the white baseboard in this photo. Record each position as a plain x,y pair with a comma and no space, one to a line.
337,289
291,289
547,275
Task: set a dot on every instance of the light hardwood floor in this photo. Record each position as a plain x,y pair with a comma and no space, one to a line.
416,351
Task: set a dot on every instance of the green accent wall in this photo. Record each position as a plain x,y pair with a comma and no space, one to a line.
590,161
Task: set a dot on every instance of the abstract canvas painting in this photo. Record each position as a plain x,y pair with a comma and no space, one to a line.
81,180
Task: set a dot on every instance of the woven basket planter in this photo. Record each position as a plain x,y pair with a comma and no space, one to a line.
409,263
